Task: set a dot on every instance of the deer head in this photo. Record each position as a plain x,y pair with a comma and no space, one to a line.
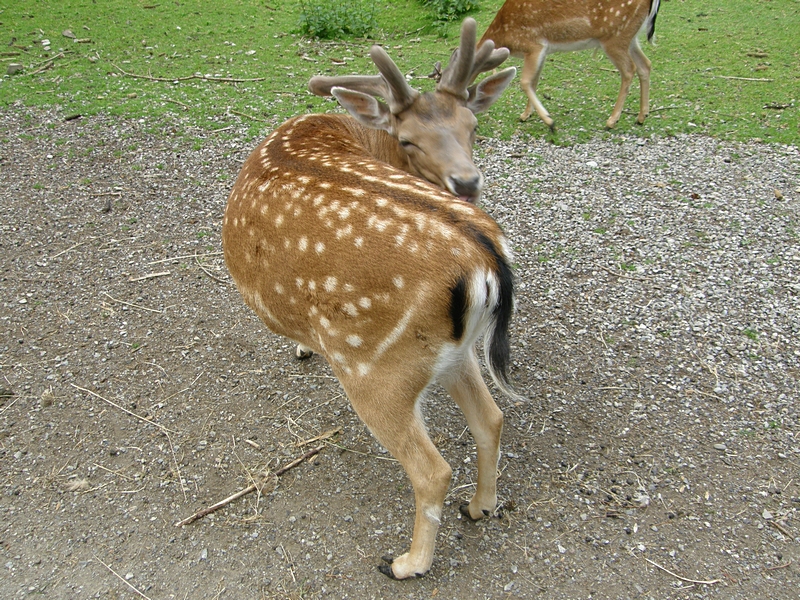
433,132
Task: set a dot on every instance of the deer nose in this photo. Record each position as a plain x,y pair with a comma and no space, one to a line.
466,188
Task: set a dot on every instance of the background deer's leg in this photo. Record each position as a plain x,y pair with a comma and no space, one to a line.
643,69
622,60
531,70
391,412
485,421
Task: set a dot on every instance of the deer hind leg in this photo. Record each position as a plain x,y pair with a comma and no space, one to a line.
643,69
391,412
531,71
485,421
622,60
303,352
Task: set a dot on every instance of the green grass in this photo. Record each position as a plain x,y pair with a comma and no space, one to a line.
726,68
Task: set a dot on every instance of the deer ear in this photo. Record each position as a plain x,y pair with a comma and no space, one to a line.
483,95
364,108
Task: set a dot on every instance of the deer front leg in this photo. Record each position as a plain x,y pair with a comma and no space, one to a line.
485,421
395,420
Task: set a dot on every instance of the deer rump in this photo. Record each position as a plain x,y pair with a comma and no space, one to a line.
365,263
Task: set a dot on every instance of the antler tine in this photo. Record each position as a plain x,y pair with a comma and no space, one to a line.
487,58
400,95
374,85
456,77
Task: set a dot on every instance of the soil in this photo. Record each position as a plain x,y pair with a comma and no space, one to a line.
656,338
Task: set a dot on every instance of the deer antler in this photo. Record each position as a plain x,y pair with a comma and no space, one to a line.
389,85
466,64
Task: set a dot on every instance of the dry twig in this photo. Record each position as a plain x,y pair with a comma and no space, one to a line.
251,488
122,579
744,78
110,297
686,579
186,78
149,276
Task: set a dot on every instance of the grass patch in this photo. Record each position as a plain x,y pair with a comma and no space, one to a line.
730,70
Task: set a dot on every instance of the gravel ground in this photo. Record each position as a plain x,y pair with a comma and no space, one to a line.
656,337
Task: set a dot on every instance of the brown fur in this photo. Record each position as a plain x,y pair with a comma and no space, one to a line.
335,241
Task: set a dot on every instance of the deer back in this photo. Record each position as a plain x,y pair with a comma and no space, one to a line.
567,24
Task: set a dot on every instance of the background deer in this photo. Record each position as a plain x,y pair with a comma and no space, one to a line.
350,235
532,29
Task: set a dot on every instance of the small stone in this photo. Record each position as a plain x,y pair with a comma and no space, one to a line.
204,554
766,515
720,447
13,68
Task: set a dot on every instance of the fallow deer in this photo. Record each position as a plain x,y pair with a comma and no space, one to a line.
532,29
351,236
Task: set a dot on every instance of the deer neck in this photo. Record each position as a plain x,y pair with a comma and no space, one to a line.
380,145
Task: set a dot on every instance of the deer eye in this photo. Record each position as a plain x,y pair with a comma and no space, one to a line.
406,144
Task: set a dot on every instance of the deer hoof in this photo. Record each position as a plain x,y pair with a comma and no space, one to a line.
303,353
387,569
464,510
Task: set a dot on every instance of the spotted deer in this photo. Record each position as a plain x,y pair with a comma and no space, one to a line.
532,29
350,234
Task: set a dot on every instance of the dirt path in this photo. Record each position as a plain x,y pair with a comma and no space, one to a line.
656,336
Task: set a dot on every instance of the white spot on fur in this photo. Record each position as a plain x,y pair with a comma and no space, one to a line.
363,369
319,247
354,340
302,244
330,283
365,302
398,281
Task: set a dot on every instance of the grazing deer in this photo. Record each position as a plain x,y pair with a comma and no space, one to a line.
351,236
532,29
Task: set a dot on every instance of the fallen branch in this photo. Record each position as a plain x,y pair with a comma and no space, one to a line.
623,275
686,579
149,276
122,579
782,566
207,272
123,409
187,78
163,260
780,528
246,116
251,488
320,437
743,78
110,297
